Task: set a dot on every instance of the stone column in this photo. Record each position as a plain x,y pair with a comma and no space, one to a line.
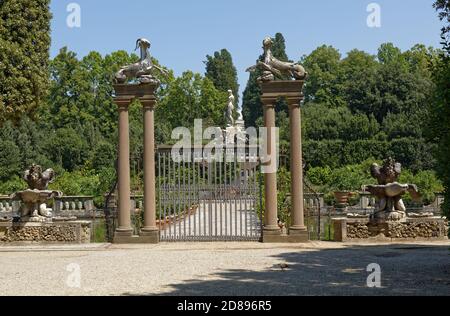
298,223
271,228
124,229
150,231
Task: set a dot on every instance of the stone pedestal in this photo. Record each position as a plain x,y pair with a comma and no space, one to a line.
410,229
292,91
125,94
71,232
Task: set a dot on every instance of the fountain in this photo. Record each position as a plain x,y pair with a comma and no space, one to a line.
390,220
34,200
35,221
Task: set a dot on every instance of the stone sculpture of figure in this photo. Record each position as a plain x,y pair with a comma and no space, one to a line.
230,109
33,201
389,192
272,67
143,69
38,180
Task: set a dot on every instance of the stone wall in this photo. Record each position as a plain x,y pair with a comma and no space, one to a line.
431,228
76,232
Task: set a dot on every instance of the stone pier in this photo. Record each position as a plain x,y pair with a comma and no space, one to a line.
291,90
125,94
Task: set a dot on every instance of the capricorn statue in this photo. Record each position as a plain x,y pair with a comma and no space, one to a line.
272,67
143,69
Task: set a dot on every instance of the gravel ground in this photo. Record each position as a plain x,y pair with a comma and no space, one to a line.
316,268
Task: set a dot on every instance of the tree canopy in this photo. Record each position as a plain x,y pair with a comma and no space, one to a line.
24,56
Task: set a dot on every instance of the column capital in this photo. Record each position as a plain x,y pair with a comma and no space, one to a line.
294,102
122,103
268,101
148,103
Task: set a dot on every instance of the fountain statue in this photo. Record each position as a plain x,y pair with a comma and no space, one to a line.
34,200
389,192
230,109
390,220
37,223
143,69
272,67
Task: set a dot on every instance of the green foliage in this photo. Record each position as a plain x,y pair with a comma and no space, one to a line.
439,119
24,56
69,149
415,154
222,72
427,183
77,183
12,185
104,156
283,195
319,176
353,177
322,122
9,165
190,97
324,81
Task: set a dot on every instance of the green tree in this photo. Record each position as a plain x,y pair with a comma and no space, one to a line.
9,164
324,82
24,56
439,121
222,72
69,149
191,97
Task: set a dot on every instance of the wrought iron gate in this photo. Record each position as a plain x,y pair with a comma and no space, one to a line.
204,200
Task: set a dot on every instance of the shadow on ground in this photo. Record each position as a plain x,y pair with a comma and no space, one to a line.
406,270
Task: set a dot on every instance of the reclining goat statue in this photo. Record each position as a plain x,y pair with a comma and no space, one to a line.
143,69
272,67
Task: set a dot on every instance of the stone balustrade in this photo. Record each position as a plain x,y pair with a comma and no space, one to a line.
8,207
79,206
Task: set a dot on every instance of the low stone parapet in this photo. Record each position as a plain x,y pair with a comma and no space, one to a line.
412,229
71,232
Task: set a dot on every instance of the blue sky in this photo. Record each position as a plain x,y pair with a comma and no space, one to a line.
183,32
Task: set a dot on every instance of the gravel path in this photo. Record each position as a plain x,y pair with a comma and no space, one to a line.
317,268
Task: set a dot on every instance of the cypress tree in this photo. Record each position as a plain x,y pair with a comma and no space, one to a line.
24,56
222,72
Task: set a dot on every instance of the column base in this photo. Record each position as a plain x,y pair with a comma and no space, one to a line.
271,234
121,235
150,235
298,234
295,236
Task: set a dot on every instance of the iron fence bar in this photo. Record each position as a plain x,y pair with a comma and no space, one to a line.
225,195
240,186
215,198
221,195
159,190
169,179
189,192
235,193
